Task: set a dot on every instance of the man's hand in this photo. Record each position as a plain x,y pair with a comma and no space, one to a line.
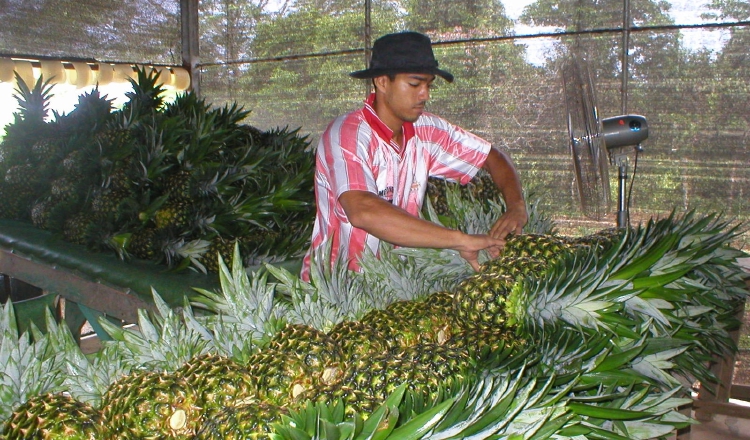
511,222
469,250
506,178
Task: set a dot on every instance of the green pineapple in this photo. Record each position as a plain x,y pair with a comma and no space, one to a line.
143,244
537,246
482,345
74,165
425,367
18,191
44,150
219,381
40,212
479,301
176,215
179,186
108,201
151,405
436,323
297,359
514,266
218,247
358,339
396,331
423,321
63,188
251,420
436,193
54,417
76,227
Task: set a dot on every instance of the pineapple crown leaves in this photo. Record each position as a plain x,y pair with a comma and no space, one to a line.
496,406
328,421
393,277
91,113
33,101
246,304
87,378
151,156
31,361
189,253
637,413
629,279
163,342
334,293
147,95
444,267
572,290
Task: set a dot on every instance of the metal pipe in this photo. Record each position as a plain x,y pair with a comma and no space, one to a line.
189,35
625,57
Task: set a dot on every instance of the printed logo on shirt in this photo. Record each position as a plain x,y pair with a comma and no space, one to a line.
387,194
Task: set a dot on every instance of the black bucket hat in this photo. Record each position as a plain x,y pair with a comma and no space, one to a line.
403,52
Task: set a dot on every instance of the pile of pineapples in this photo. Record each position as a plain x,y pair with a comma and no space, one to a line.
172,182
600,336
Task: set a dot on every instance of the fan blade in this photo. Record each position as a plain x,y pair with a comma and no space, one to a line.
589,154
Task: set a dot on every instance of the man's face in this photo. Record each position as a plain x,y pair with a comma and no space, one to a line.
405,97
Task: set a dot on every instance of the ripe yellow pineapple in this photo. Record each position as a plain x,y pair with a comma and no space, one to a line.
219,382
54,417
151,405
296,360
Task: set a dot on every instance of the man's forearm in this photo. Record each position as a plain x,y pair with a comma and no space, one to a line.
392,224
506,178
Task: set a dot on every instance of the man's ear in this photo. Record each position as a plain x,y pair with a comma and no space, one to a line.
379,82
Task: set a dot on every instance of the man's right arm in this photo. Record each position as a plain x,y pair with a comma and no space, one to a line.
392,224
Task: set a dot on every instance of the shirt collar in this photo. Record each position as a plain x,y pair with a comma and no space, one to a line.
383,130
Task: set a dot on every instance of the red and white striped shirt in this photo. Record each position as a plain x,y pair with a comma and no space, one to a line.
356,153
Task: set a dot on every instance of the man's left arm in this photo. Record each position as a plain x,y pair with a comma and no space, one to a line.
505,176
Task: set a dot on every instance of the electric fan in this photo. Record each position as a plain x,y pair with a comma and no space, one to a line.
596,143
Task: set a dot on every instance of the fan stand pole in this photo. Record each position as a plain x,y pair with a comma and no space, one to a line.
622,176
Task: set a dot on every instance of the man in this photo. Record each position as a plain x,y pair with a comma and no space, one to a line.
372,164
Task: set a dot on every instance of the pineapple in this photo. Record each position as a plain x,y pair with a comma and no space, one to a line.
425,367
483,345
54,417
74,165
143,244
358,340
151,405
480,300
179,186
18,191
251,420
176,215
296,359
539,246
219,381
108,201
515,266
397,332
423,321
218,248
76,227
62,188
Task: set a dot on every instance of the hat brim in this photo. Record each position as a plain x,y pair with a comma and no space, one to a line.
373,73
